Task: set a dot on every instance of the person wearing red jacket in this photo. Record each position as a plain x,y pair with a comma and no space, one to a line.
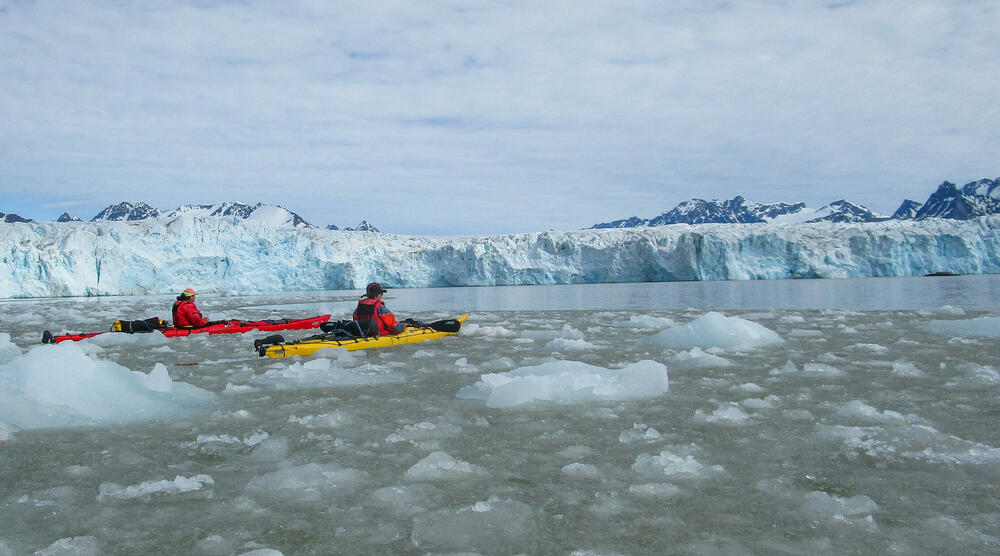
373,316
186,313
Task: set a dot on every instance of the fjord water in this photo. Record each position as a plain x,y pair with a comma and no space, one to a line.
870,427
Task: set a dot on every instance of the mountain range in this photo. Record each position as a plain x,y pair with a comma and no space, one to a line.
949,201
275,215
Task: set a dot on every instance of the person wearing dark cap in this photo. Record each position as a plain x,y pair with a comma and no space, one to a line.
373,316
185,313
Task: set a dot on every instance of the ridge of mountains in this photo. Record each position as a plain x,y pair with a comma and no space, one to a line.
972,200
949,201
273,214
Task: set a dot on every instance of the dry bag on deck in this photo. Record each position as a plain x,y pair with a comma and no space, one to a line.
134,326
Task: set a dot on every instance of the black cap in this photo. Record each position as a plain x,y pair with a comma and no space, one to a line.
374,289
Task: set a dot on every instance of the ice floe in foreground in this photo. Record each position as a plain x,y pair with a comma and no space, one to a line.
568,381
59,385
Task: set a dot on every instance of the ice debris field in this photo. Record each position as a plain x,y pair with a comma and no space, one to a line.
589,432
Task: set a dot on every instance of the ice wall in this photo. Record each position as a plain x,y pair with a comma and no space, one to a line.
228,255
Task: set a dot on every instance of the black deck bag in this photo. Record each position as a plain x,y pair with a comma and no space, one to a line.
141,326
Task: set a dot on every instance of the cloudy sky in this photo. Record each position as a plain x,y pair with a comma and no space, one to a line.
455,117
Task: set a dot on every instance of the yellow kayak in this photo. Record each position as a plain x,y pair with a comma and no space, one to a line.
311,345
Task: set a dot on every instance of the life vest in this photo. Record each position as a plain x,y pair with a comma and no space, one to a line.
186,317
367,316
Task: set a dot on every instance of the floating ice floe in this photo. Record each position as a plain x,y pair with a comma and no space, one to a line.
988,327
714,329
439,466
145,491
914,443
8,350
493,526
727,413
312,483
322,373
696,358
59,385
674,466
568,381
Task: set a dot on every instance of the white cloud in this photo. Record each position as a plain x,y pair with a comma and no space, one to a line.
482,116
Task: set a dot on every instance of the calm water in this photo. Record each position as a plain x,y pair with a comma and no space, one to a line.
863,432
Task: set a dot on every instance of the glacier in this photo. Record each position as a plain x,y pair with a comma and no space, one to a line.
233,256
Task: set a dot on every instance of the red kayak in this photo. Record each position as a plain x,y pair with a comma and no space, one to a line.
216,327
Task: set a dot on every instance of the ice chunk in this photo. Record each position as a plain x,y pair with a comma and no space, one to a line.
407,500
668,465
581,471
439,466
145,491
214,545
494,526
988,327
714,329
307,484
322,373
569,381
696,358
817,502
726,413
655,490
893,444
58,385
71,546
567,344
158,380
8,350
857,410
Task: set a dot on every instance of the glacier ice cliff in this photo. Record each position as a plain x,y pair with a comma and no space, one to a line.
166,255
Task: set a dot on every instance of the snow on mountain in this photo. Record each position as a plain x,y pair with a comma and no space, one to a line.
907,210
126,211
162,255
972,200
633,222
975,199
364,226
843,211
65,217
11,218
734,211
272,215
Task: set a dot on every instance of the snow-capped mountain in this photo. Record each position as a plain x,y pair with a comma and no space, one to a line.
907,210
699,211
842,211
11,217
161,256
65,217
364,226
973,199
126,211
272,215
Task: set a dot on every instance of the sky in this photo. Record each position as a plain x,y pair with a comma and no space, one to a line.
487,117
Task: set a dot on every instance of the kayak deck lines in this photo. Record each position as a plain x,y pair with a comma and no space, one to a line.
312,344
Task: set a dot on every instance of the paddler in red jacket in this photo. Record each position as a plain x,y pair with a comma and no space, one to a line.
373,316
186,313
